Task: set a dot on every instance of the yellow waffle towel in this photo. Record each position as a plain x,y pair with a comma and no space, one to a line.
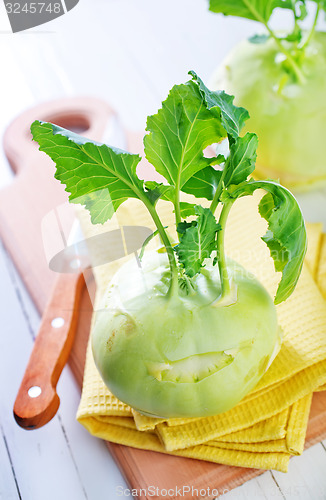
269,425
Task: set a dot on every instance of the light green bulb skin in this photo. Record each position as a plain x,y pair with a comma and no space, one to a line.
289,118
184,355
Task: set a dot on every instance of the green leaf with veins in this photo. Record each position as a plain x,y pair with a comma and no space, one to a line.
286,237
96,175
239,164
295,36
204,183
242,158
198,240
221,104
286,4
257,10
156,191
187,209
179,133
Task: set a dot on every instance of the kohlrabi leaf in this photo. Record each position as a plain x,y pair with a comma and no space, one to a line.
298,7
95,175
197,241
204,183
179,133
239,164
303,12
187,209
156,191
286,4
286,237
191,118
241,161
295,36
257,10
257,39
321,3
221,104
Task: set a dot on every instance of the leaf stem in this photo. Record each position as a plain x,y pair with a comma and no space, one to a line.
219,190
169,249
177,210
297,71
224,277
312,31
296,24
190,286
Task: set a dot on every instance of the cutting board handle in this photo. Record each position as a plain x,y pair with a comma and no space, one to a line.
37,400
85,115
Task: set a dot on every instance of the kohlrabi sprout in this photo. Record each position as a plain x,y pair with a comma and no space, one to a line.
280,77
189,333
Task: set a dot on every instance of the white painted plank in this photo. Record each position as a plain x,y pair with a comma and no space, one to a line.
159,37
95,468
15,97
41,459
269,487
139,59
97,64
306,478
48,83
24,302
262,487
169,38
8,487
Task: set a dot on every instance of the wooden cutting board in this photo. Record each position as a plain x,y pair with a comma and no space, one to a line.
23,204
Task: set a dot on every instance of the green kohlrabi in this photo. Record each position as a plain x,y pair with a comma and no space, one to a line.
280,77
190,332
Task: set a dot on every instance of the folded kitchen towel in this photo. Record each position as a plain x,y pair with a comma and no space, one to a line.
269,425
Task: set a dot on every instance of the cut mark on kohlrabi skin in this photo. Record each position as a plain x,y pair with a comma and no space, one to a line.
196,367
193,368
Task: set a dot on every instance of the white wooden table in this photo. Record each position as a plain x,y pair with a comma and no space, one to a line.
130,53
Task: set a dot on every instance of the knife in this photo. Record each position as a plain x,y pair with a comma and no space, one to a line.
37,400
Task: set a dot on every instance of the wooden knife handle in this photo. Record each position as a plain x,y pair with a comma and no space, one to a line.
37,400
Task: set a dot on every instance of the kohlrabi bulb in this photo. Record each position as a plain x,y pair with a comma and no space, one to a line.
289,117
183,355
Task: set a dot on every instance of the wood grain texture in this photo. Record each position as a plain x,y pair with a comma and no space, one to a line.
27,204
